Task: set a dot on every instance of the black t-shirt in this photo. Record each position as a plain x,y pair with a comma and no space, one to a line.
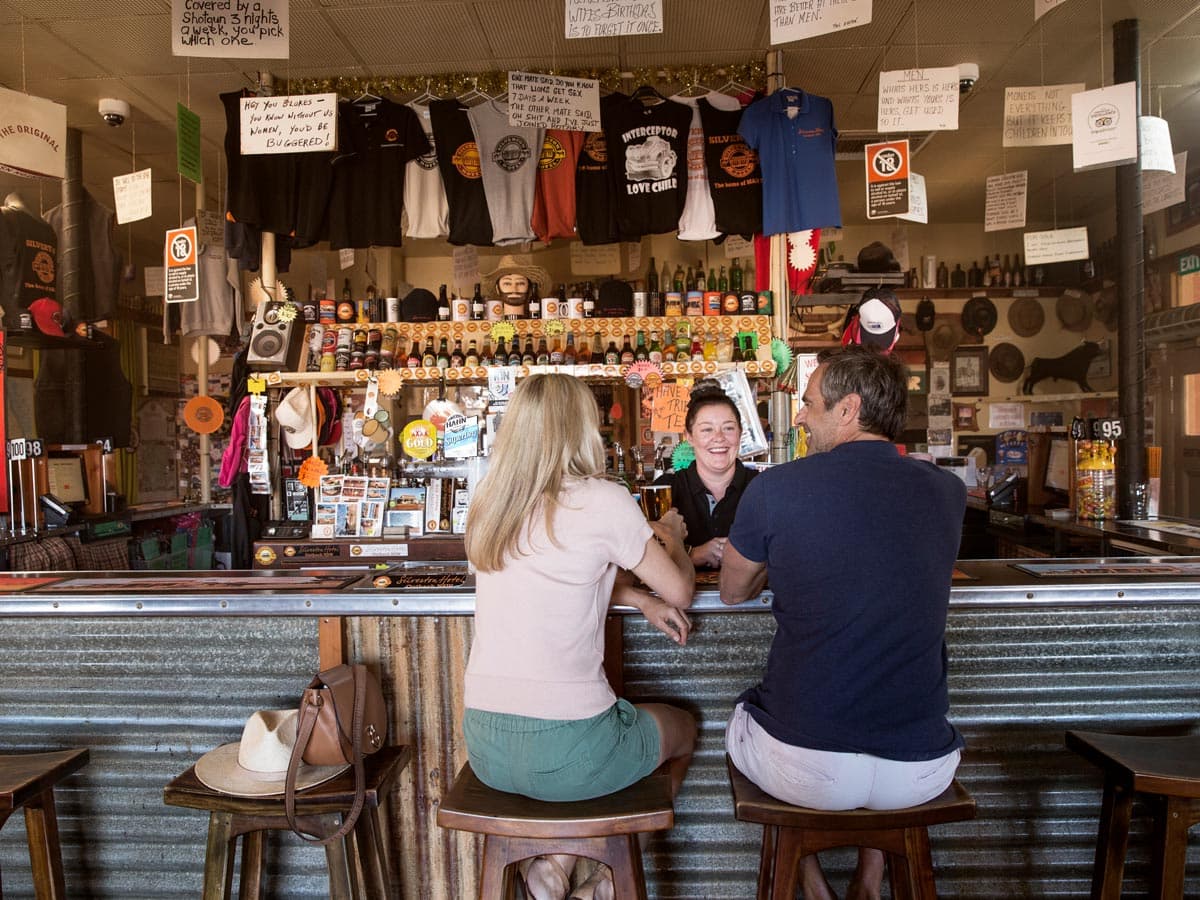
262,187
647,150
595,215
458,161
28,261
376,139
314,183
734,174
690,497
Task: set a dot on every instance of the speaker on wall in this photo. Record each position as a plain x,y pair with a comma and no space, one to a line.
274,344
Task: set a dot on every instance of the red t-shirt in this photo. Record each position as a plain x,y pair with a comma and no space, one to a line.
554,194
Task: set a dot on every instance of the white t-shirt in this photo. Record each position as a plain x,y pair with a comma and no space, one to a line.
699,220
539,621
424,193
508,161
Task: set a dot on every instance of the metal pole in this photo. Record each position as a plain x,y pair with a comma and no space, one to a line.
201,344
780,407
1131,347
73,258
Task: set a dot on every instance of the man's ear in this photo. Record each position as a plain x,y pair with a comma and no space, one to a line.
851,405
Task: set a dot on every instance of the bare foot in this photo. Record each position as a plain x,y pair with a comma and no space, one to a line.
812,880
867,881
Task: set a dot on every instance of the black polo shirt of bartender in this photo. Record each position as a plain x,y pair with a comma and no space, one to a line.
691,498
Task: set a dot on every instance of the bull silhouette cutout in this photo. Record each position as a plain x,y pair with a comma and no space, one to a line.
1071,366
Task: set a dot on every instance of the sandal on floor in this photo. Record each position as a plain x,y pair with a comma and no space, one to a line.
599,886
549,881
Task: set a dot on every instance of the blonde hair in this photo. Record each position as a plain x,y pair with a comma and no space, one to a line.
550,432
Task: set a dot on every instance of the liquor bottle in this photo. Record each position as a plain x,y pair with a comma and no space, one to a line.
683,344
994,272
652,278
443,356
958,278
664,279
457,357
1006,273
724,349
677,282
414,354
387,349
1018,272
689,279
701,283
485,355
655,353
366,306
528,357
722,281
583,353
640,353
710,347
477,306
589,301
735,276
612,356
535,301
975,275
428,357
736,356
514,352
472,357
542,357
697,349
942,276
500,357
627,354
568,355
711,284
597,355
443,305
668,348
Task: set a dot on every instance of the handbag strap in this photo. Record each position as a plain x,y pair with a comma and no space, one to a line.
308,719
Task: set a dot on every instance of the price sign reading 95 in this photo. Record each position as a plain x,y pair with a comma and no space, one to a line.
1107,430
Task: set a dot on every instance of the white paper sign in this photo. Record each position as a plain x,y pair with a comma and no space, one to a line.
211,226
1006,199
1039,115
1163,189
466,268
254,29
918,206
305,123
131,196
794,20
1155,142
1041,7
633,253
33,135
1062,245
552,101
1104,127
737,246
346,258
1006,415
156,280
595,259
919,100
606,18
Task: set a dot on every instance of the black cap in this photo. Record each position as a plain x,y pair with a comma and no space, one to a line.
615,300
419,306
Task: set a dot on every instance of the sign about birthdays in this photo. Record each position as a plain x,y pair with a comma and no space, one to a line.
1005,205
919,100
254,29
304,123
794,20
1038,115
613,18
553,101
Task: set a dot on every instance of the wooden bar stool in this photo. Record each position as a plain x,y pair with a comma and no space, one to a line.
792,832
515,828
27,782
1166,771
319,810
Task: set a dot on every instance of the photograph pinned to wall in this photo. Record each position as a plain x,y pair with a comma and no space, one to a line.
969,372
965,418
939,379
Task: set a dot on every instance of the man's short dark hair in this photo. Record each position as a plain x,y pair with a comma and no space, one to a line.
880,379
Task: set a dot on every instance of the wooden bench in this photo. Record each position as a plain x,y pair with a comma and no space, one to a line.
793,832
27,781
514,827
1166,770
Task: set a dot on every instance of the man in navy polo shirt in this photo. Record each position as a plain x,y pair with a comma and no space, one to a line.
859,543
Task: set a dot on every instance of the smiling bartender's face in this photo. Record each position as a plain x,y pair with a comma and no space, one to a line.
715,436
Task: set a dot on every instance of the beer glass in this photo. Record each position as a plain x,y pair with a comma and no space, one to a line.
655,500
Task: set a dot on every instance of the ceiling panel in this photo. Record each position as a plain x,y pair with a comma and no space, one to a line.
701,25
442,36
30,51
39,10
824,73
316,42
144,46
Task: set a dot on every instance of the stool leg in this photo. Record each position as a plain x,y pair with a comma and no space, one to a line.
918,859
374,874
766,862
1109,870
335,858
786,866
250,884
624,858
495,881
356,870
45,852
1169,860
218,861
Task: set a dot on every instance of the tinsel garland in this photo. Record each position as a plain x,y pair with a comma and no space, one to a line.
455,84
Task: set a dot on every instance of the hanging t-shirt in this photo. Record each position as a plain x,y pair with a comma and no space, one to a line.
100,275
28,261
458,161
595,214
261,187
794,135
314,183
698,222
647,146
508,159
376,139
424,194
220,296
554,194
734,172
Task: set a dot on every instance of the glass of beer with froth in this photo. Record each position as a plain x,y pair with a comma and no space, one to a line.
655,500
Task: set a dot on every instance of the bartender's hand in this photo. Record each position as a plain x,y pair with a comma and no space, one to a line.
709,554
672,622
670,528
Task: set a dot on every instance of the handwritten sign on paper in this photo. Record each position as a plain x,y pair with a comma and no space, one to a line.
595,259
1039,115
552,101
346,258
794,20
211,225
613,18
1062,245
306,123
918,205
131,195
633,253
1163,189
1005,206
156,280
670,408
737,246
1006,415
255,29
466,268
919,100
1041,7
1104,127
1154,139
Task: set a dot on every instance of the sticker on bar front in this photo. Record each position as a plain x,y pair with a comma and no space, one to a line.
419,439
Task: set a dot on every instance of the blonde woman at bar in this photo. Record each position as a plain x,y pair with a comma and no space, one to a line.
547,536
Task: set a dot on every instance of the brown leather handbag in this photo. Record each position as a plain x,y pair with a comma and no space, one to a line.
342,718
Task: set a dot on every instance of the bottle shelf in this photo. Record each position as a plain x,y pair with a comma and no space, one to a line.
1053,398
720,325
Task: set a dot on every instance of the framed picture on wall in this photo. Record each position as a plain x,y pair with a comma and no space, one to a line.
969,372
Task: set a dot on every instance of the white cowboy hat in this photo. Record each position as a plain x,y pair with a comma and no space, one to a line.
256,766
515,265
295,417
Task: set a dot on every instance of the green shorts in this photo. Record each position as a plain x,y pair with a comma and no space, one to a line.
562,759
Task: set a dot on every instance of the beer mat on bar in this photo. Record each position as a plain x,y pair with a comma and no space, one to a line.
424,577
960,575
1106,569
14,584
205,583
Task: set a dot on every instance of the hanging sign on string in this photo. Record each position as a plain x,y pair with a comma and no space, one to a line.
552,101
887,179
304,123
155,280
1154,139
212,228
595,259
188,161
794,20
1062,245
254,29
1104,127
605,18
33,135
737,246
1038,115
1163,189
1041,7
1006,200
633,253
179,257
346,258
918,100
918,206
131,196
466,267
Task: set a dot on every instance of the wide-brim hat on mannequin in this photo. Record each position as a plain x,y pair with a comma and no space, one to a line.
1074,311
511,264
1026,317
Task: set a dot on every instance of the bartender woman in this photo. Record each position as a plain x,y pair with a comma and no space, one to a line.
707,492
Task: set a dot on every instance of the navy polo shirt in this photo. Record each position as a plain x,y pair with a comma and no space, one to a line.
797,155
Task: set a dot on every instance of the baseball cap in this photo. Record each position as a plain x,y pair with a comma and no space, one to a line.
47,316
876,323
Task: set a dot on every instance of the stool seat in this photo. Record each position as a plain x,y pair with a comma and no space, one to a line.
27,782
318,811
792,832
516,828
1165,769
